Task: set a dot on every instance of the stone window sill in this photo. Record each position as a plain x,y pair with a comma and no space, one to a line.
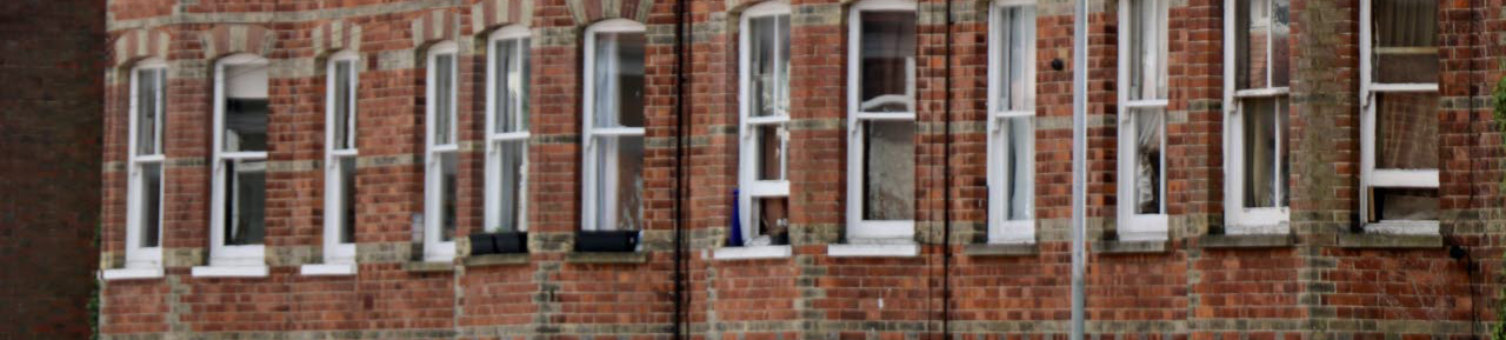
230,271
1130,247
607,258
1247,241
908,249
428,267
321,269
1371,240
751,253
131,273
1002,250
496,260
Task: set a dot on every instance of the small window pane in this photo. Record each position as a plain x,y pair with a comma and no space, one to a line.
448,163
1019,182
522,82
620,182
151,204
1017,51
772,221
1265,153
1405,204
246,202
348,199
1150,177
1263,51
149,85
444,99
245,107
768,60
889,170
619,79
1147,39
512,167
342,92
1407,130
887,69
1406,41
512,90
770,142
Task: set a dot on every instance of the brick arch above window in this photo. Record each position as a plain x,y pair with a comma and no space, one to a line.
435,26
231,39
491,14
336,35
591,11
139,44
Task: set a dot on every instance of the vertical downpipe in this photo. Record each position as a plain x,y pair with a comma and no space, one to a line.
679,320
1079,165
946,175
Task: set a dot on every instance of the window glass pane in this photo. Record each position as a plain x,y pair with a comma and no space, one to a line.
888,170
1147,39
444,67
448,163
887,61
246,202
771,221
148,91
342,92
1016,31
1265,158
245,107
1149,177
620,183
525,71
1393,204
1261,34
1406,130
618,77
1019,180
1405,34
509,204
348,199
151,204
770,142
1281,50
512,88
768,57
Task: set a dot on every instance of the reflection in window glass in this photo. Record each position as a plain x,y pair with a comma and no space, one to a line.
151,204
1407,131
619,79
770,141
623,175
1017,48
1406,204
1147,38
1262,37
887,57
510,203
444,109
1150,177
512,92
769,65
347,199
889,170
342,107
246,202
448,164
149,85
1019,179
245,107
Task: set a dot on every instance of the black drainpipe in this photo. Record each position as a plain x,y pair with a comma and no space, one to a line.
946,175
679,319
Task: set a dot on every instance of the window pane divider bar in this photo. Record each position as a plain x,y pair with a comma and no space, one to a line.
767,120
1263,92
509,136
239,155
885,116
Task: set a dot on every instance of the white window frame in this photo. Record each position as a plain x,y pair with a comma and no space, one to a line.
858,228
589,196
494,138
750,187
139,257
436,250
1002,230
1370,176
1237,218
1132,226
339,257
228,260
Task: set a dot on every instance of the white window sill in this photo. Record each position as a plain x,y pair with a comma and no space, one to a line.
873,250
1397,227
751,253
230,271
131,273
337,269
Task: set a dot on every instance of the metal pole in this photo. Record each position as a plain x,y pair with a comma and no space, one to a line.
1079,165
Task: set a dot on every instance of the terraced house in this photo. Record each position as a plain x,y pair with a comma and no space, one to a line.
801,169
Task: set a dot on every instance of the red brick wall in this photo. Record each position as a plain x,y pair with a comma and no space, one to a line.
1188,287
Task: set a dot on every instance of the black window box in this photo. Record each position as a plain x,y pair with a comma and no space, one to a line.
499,243
616,241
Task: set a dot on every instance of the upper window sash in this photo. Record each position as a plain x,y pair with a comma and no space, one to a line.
1012,58
765,59
1146,45
882,60
442,88
342,76
508,74
148,96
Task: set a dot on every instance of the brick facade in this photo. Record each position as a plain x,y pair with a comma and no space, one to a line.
1326,280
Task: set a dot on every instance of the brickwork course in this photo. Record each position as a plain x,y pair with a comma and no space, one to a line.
51,99
1326,279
